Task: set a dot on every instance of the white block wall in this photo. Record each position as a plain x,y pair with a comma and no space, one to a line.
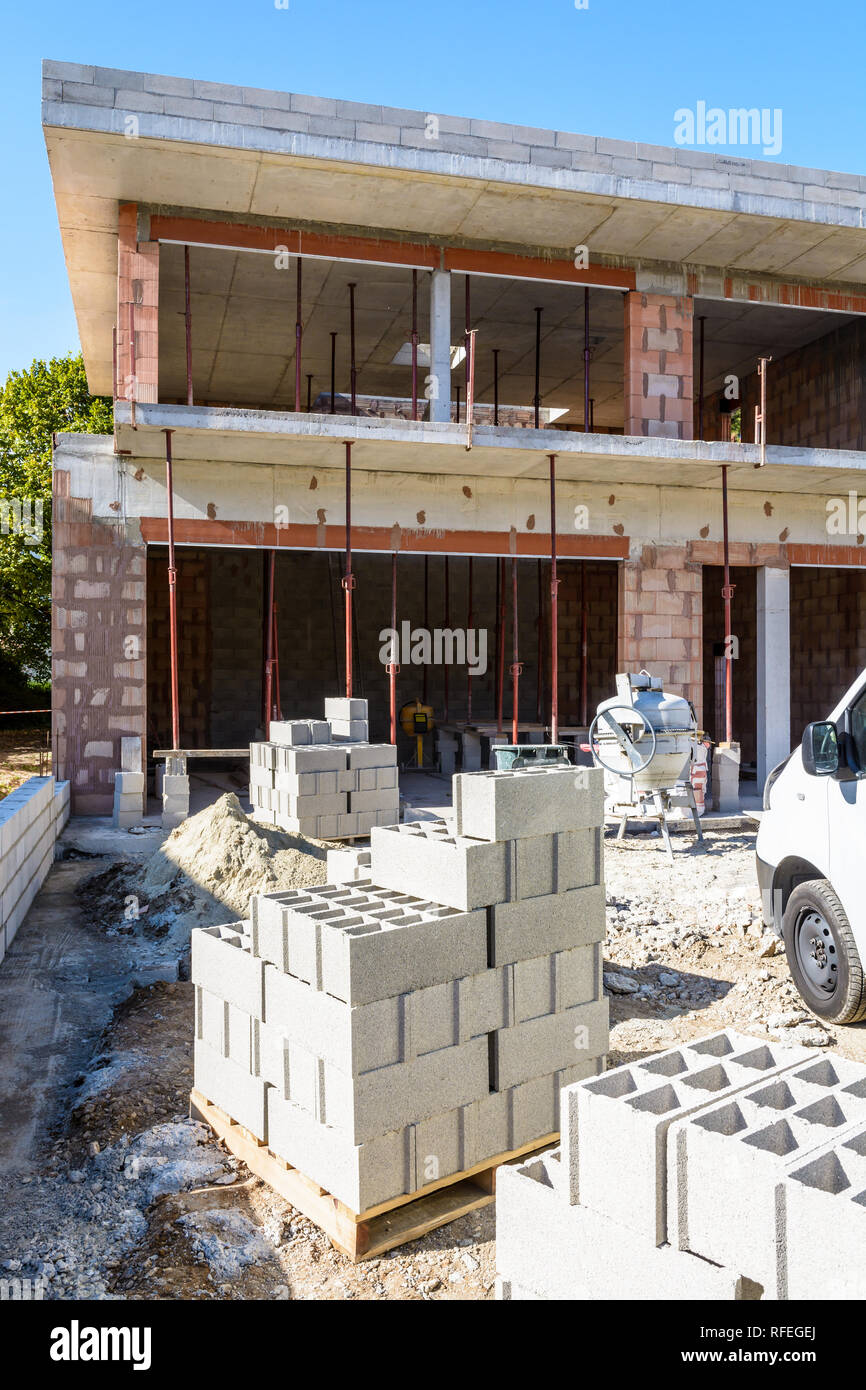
31,818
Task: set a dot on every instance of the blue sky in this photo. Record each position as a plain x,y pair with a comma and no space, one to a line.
619,68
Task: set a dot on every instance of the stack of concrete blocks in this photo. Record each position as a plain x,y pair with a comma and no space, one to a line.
175,793
316,782
31,818
715,1169
385,1034
129,785
349,865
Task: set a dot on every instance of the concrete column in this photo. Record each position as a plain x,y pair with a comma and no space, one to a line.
774,669
438,385
660,619
658,371
137,310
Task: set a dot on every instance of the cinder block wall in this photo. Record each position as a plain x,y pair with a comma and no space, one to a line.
828,639
601,581
658,365
816,396
661,619
98,646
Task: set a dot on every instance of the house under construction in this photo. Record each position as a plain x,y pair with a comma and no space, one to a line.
376,367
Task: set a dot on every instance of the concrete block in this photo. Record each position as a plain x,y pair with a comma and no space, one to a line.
175,785
386,778
372,755
239,1038
131,756
354,1040
726,777
731,1158
129,783
348,865
315,757
222,962
362,942
388,800
211,1024
344,710
354,729
630,1110
539,926
360,1175
821,1210
559,1251
393,1097
530,802
423,858
291,733
222,1081
320,731
551,1043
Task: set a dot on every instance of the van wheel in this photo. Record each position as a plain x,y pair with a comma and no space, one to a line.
822,956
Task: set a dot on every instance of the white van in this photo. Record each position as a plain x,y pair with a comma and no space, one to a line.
811,853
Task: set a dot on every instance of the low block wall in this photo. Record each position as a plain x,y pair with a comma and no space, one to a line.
31,818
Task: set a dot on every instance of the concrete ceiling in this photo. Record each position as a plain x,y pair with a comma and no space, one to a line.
92,171
316,441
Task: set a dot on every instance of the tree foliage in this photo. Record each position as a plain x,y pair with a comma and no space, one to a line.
51,397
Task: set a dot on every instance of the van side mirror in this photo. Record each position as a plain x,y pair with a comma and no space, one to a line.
820,749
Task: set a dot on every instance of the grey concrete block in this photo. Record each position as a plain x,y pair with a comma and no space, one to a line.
290,732
559,1251
821,1214
316,757
175,785
344,709
423,858
731,1158
386,800
239,1038
383,755
211,1020
355,1040
348,865
222,963
551,1043
530,802
354,729
69,72
131,756
320,731
129,783
360,1175
529,927
240,1095
630,1110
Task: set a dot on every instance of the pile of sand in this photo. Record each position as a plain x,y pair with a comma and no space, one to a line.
224,855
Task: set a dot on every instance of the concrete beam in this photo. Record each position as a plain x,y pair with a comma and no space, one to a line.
774,668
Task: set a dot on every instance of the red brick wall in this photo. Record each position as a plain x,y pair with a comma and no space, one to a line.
658,365
98,647
816,396
660,619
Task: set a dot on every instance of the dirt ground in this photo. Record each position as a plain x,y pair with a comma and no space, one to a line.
20,757
130,1199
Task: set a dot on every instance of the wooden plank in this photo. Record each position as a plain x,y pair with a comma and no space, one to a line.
201,752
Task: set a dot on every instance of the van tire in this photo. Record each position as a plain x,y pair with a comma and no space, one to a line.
813,910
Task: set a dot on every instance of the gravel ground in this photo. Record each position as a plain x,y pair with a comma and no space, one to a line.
136,1201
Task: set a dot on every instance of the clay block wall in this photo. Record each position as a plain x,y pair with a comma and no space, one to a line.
194,658
658,365
98,645
828,639
661,619
236,612
744,623
816,396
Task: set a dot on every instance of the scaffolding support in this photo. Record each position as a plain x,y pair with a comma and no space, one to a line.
446,625
537,397
727,595
353,375
496,386
702,319
348,577
414,345
587,410
426,620
554,611
299,333
468,631
333,372
516,664
187,319
269,648
172,598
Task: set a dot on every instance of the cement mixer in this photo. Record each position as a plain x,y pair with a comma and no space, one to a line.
645,739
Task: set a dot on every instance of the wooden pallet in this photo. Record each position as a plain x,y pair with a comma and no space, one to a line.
364,1236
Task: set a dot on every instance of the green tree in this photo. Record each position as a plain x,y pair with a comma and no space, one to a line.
49,398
